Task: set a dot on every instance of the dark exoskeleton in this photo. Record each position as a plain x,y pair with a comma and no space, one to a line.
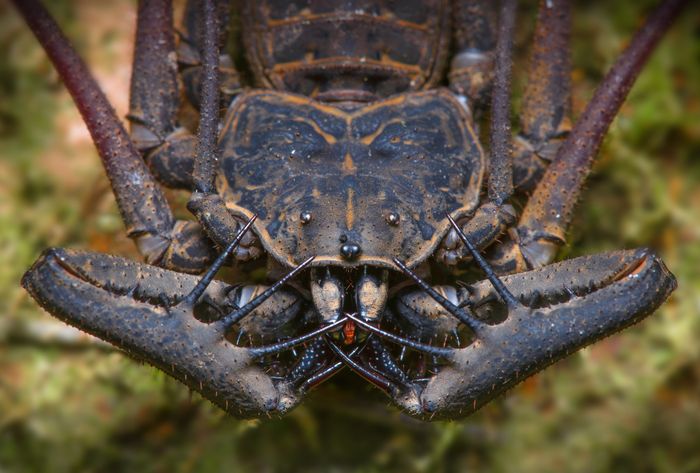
348,156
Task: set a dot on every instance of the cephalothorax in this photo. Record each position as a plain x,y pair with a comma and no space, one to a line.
349,166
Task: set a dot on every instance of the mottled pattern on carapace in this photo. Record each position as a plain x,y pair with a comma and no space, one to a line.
312,46
414,154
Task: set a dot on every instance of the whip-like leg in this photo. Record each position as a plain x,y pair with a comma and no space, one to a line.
190,57
494,216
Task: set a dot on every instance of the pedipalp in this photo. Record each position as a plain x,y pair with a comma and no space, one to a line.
574,303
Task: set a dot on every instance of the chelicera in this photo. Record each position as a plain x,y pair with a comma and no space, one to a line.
348,164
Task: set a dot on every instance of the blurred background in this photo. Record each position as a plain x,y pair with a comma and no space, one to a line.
628,403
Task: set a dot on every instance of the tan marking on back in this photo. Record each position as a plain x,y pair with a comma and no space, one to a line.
369,139
350,210
390,102
349,165
330,139
306,16
302,100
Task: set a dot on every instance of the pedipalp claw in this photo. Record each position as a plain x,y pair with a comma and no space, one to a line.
579,301
106,296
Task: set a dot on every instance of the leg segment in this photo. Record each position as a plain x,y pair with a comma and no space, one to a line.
377,357
168,148
488,222
141,202
153,102
546,106
492,218
315,365
549,210
500,185
153,106
189,54
207,150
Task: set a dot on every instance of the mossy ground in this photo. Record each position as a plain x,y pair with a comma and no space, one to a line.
629,403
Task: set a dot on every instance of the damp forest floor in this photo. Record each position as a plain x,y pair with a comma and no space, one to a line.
628,403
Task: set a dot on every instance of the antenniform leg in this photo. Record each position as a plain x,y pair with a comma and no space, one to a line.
493,217
189,54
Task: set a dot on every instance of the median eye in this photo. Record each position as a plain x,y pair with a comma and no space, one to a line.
395,139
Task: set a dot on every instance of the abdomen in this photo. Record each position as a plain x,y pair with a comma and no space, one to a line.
335,48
